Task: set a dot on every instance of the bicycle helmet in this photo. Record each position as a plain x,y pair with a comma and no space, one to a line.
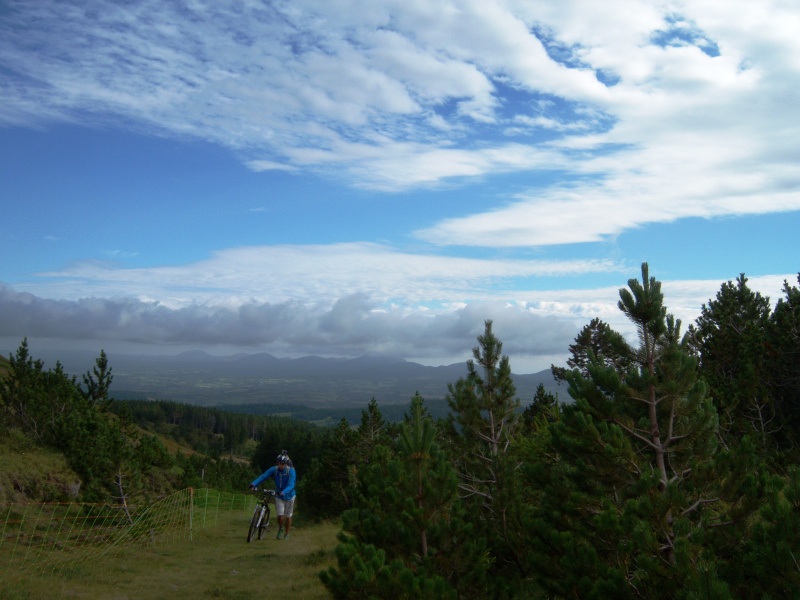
282,458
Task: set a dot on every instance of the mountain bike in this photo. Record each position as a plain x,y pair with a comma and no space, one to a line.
260,520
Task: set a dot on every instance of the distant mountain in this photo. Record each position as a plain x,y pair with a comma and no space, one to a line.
197,377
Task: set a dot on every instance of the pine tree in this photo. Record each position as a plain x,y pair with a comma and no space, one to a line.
331,483
372,432
97,382
372,425
23,395
637,498
595,339
431,482
768,564
408,524
483,426
730,337
483,407
784,366
544,405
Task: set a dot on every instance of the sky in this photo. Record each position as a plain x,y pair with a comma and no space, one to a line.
382,176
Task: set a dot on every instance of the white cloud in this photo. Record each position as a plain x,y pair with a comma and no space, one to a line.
268,165
638,113
400,94
310,274
344,299
333,316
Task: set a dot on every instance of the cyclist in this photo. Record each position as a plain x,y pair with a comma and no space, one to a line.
284,476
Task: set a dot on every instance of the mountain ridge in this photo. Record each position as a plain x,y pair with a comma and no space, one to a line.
197,377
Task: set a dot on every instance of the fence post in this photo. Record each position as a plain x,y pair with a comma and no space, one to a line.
191,511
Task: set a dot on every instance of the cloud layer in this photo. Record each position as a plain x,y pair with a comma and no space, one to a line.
353,325
607,116
293,309
651,114
290,299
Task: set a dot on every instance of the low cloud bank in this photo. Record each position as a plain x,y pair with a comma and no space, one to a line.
352,326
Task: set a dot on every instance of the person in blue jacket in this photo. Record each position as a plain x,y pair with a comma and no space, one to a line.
284,476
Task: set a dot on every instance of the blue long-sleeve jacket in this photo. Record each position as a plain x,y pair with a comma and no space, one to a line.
284,480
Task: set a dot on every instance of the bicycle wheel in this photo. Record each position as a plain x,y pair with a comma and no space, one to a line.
262,526
253,523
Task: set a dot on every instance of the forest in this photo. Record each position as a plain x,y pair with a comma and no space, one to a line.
671,472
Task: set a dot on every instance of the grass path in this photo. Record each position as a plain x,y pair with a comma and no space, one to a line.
218,563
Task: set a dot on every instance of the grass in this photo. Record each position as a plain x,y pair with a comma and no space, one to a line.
27,470
217,563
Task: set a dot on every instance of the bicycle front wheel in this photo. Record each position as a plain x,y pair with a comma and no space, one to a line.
262,526
254,523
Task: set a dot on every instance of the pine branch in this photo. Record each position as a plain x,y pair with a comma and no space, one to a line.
679,476
637,435
674,438
697,504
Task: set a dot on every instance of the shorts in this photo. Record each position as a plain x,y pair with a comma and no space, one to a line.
284,508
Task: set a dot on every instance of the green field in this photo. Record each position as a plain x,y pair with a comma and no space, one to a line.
217,563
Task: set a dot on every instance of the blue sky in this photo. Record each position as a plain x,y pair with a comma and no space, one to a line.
357,177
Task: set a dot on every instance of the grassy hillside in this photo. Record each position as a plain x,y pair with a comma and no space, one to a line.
30,472
217,563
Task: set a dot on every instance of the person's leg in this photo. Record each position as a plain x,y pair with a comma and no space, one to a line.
287,515
280,510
